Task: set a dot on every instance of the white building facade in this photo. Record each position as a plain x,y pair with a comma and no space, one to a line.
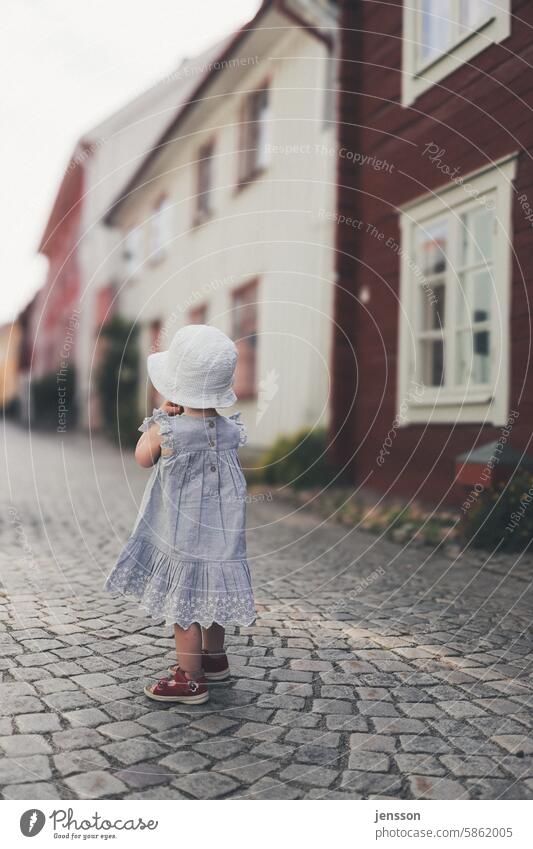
229,221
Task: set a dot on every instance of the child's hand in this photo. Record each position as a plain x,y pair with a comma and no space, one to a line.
171,409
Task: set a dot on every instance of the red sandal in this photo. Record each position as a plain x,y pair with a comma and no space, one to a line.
179,689
215,666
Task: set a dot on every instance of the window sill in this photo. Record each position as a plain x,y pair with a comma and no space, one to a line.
251,178
432,63
201,218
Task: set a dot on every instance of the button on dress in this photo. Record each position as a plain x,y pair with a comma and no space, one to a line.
186,559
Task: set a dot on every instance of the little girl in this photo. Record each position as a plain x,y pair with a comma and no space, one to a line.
186,558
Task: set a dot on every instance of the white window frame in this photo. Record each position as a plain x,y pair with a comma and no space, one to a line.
133,255
160,229
418,78
416,403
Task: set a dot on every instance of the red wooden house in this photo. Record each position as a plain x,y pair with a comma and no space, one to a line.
434,241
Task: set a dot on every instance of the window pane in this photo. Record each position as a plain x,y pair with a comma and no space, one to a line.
436,28
463,357
474,298
431,248
432,306
473,357
474,12
477,236
481,358
481,296
432,356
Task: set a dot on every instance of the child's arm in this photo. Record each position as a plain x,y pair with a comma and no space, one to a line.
148,449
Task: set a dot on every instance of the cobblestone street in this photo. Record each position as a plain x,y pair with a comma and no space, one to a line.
414,683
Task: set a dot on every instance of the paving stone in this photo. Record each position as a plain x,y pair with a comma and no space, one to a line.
471,766
179,737
183,762
68,701
91,680
364,759
429,787
291,675
20,745
133,751
77,738
309,775
38,723
95,785
384,725
424,743
214,724
259,731
313,735
281,702
246,768
23,770
460,709
340,722
14,705
514,742
332,707
206,785
124,730
83,760
279,751
86,718
221,748
145,775
371,784
498,788
270,788
310,753
35,790
419,764
296,719
374,708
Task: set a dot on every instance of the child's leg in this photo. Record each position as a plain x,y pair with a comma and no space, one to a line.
213,638
189,650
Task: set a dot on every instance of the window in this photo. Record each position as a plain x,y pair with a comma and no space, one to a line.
133,251
160,229
440,35
204,195
244,332
455,292
198,314
255,135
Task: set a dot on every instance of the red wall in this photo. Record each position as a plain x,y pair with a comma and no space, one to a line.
54,313
373,122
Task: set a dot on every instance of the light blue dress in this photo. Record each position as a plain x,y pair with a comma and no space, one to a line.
186,560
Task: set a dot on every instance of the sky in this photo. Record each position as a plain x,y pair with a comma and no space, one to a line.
65,65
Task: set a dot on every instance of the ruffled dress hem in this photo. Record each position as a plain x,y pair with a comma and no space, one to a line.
183,592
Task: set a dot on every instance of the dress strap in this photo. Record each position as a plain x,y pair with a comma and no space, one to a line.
164,423
243,435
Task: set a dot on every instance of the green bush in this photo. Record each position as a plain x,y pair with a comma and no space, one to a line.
502,517
53,400
118,381
300,460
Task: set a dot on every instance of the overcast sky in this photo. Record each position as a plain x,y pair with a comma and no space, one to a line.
65,65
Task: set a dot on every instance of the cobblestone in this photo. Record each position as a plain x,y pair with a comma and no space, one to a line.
415,689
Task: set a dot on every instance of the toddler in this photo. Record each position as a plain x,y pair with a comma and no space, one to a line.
186,558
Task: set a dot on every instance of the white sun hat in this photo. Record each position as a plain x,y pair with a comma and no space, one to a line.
198,368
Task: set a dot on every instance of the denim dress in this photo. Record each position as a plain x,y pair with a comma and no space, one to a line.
186,560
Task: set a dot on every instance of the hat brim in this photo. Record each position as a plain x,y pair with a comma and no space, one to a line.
158,374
